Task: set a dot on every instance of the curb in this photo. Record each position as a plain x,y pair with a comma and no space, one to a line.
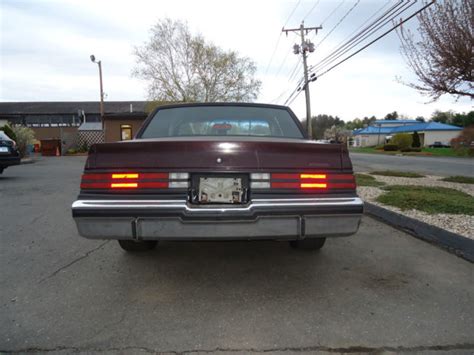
27,161
452,242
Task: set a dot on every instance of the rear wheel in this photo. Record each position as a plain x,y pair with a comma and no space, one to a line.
308,244
1,170
137,245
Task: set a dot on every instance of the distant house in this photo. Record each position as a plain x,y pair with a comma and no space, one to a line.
382,130
76,122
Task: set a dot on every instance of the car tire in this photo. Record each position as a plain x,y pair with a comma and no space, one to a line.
308,244
1,170
137,245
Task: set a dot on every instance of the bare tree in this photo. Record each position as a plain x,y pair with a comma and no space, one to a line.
183,67
443,57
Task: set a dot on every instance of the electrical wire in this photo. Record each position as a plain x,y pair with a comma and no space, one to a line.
378,38
332,12
312,9
339,22
279,38
361,36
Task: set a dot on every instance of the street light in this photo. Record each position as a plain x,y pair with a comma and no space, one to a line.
101,87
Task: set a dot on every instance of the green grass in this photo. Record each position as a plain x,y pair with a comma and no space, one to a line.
459,179
397,173
367,180
432,200
435,152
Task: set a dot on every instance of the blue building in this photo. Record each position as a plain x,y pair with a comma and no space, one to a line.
381,131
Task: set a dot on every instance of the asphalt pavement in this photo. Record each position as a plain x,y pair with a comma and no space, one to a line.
425,165
378,291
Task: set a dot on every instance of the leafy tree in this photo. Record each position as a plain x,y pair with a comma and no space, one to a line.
337,133
24,137
182,67
416,140
8,131
442,59
391,116
402,140
464,143
321,123
420,119
463,119
442,116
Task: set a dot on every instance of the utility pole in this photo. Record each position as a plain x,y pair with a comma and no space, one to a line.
99,63
306,46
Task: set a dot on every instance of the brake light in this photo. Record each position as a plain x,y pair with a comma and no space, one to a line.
128,185
312,181
132,180
124,176
313,186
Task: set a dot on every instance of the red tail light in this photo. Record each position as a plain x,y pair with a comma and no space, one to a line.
133,180
312,181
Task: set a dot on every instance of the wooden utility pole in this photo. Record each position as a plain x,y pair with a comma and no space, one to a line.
306,46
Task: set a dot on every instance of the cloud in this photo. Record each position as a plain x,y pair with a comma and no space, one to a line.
45,48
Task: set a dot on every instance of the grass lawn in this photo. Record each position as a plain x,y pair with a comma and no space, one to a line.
435,152
428,199
367,180
459,179
397,173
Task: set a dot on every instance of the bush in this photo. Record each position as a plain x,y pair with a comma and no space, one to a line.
416,140
24,136
71,151
390,147
405,150
464,143
9,132
402,140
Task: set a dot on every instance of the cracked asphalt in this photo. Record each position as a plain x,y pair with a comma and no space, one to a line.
378,291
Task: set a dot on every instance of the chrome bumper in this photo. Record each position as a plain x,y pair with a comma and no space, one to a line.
176,219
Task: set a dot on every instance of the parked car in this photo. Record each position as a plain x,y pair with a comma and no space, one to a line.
218,172
9,154
439,145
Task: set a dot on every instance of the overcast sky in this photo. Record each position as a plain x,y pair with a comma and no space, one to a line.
46,44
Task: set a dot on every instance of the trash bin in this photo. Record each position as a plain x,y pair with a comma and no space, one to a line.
50,147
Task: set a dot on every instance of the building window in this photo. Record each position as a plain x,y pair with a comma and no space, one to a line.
125,132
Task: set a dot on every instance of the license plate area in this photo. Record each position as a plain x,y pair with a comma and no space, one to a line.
219,188
4,150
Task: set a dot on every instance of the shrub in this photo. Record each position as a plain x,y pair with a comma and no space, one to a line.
24,137
390,147
416,140
405,150
9,132
71,151
402,140
464,143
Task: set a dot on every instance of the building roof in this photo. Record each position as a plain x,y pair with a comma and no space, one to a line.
420,127
69,107
378,122
90,126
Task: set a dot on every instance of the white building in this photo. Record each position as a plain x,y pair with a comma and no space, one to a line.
382,130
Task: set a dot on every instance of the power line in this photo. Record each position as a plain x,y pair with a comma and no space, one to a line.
369,30
297,90
279,38
338,23
312,9
378,38
332,12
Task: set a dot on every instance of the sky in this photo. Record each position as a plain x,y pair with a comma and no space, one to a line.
45,47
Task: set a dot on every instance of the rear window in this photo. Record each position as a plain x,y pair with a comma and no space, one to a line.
222,121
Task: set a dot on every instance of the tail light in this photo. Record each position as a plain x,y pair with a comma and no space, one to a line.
134,180
313,182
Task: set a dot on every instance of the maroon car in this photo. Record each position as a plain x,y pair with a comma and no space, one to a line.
218,171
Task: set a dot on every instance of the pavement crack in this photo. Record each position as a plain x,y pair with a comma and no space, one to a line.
342,350
73,262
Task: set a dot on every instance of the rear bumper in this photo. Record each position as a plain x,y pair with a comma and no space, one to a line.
287,219
8,160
